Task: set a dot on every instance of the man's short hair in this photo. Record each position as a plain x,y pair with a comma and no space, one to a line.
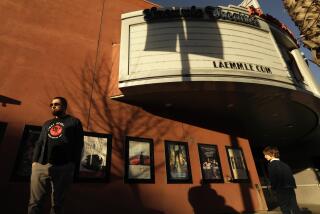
272,151
63,101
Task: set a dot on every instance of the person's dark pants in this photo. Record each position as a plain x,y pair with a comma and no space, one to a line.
287,201
44,177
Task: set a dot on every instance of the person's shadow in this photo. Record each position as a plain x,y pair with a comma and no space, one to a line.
205,200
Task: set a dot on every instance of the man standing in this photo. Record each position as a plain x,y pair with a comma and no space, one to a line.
282,181
56,156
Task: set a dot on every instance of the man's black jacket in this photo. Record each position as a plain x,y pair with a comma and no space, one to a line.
71,142
280,175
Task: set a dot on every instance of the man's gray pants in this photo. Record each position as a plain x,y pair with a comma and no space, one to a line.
49,178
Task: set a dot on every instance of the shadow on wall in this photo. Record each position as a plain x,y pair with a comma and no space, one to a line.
86,89
205,200
85,198
183,37
245,189
108,198
107,116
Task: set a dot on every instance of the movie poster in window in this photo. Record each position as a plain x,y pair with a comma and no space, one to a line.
139,162
210,163
96,157
177,162
237,164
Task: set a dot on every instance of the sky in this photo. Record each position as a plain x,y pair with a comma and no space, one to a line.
272,7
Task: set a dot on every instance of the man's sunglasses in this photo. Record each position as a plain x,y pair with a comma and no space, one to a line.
55,104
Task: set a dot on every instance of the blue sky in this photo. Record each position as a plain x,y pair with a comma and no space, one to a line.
272,7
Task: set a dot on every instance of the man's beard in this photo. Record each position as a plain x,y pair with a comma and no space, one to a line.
57,113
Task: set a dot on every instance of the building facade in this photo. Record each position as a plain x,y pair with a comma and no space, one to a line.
176,103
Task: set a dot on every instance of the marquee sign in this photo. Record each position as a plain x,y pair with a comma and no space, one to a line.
212,13
203,44
241,66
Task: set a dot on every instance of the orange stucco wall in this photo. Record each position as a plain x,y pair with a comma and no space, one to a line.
69,48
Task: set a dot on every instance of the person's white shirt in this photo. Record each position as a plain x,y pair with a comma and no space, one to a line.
273,159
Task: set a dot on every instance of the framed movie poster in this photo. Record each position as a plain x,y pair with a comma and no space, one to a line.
210,163
177,162
22,169
96,157
237,164
139,160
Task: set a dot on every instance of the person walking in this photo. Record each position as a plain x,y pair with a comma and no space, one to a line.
56,156
282,181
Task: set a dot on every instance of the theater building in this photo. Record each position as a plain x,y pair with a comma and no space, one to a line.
177,104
